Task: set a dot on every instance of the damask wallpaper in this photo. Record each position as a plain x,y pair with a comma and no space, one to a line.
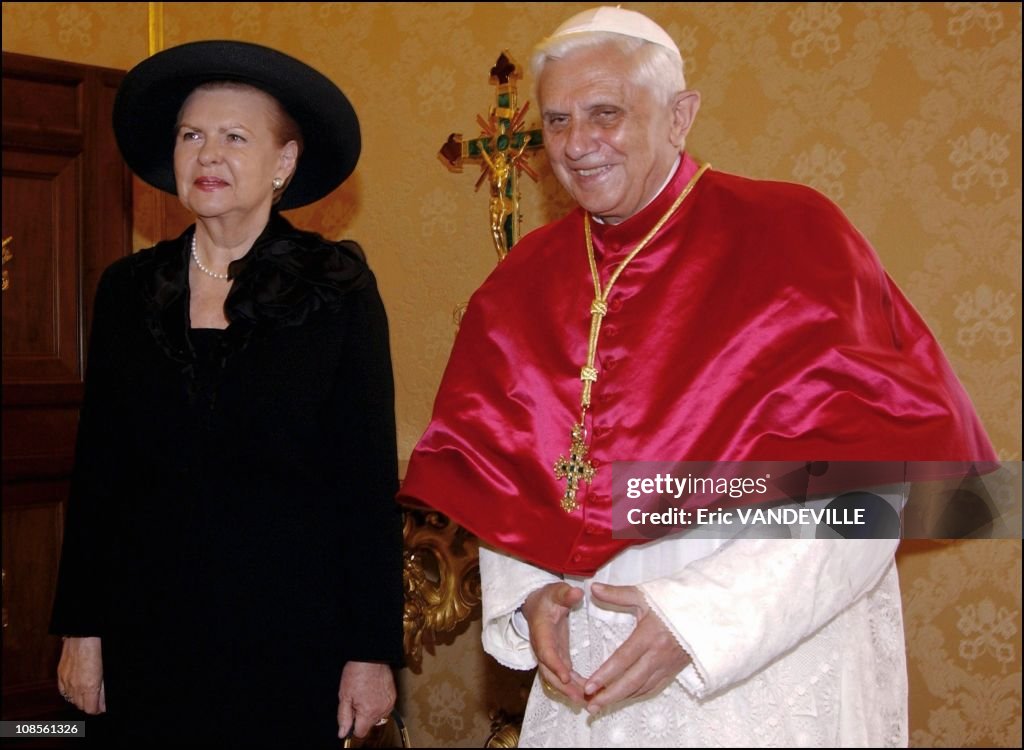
906,114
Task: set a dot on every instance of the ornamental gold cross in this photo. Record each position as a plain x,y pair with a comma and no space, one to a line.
501,149
574,469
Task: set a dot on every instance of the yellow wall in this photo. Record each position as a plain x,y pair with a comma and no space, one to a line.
908,115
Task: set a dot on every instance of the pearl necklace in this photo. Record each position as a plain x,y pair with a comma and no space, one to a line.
204,269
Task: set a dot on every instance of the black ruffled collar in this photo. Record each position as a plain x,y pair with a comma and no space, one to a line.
286,276
289,274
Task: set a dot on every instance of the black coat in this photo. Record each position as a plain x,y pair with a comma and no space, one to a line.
231,533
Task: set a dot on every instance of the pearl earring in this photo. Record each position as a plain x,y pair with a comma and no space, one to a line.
277,183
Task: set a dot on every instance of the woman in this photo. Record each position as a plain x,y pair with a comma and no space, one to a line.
232,557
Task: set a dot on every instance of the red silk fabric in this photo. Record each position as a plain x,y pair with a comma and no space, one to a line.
758,325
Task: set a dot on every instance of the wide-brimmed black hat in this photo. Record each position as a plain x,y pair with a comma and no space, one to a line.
150,97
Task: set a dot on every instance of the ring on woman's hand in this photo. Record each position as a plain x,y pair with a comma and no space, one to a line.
381,721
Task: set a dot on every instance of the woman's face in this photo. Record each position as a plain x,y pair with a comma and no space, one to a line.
227,153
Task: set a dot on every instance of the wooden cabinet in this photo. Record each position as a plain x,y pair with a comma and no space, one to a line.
67,212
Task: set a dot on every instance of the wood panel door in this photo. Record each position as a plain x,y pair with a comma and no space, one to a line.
66,216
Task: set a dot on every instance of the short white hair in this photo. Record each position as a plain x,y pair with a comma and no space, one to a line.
655,66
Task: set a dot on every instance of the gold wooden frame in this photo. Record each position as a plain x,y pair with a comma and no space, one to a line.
442,579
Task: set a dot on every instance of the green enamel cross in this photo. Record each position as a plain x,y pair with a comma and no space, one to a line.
575,468
501,150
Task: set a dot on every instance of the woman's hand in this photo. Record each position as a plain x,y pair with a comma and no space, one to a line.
365,697
80,674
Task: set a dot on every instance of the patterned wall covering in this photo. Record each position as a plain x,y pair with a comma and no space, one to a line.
907,114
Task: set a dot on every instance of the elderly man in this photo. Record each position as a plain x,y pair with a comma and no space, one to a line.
680,313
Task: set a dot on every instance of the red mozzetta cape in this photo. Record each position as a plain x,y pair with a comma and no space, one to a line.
757,325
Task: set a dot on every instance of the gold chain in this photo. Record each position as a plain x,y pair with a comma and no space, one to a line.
576,467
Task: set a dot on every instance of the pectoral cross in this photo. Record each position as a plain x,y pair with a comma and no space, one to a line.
574,469
502,150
